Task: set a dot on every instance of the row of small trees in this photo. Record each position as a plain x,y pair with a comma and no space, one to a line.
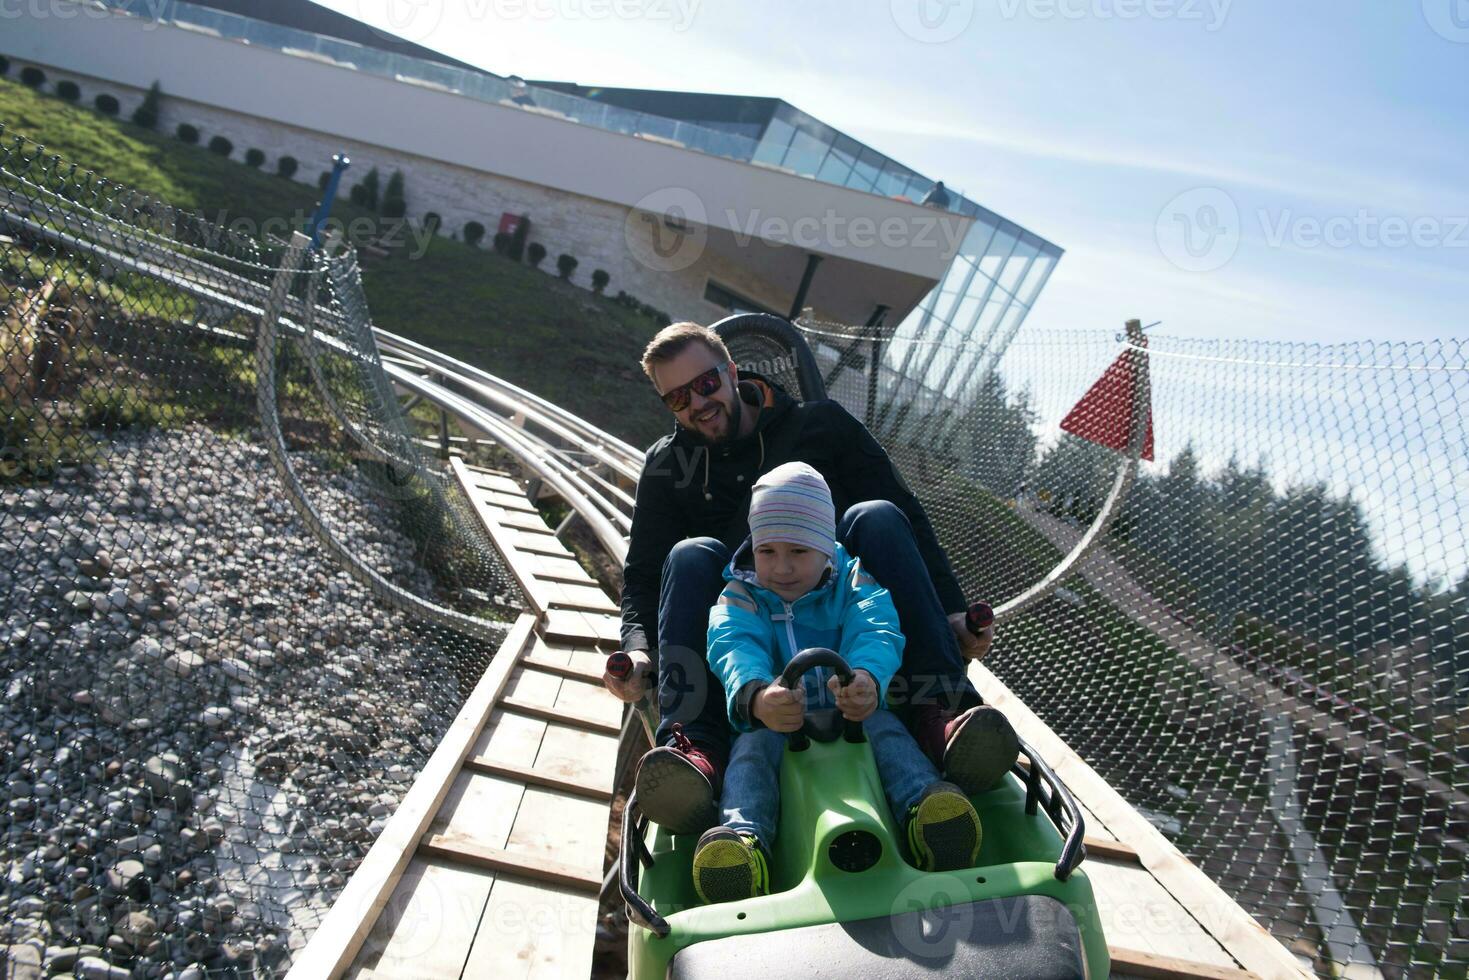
146,116
286,166
390,201
512,245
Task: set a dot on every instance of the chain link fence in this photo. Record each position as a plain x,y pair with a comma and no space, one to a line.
240,604
1269,654
243,603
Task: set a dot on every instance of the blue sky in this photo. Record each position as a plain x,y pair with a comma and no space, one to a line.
1337,132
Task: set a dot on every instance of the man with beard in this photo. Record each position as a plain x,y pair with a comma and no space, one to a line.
691,514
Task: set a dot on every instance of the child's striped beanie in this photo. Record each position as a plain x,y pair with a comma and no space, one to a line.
792,503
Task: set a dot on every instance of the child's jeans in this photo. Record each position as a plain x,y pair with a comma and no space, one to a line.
751,800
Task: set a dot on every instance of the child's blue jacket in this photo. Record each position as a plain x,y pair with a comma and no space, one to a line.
753,633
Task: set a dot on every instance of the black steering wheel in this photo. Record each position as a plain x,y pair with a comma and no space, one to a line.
822,723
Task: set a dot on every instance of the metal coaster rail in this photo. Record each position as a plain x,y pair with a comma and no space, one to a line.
509,414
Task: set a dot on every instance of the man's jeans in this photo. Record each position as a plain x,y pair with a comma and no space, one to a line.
750,803
877,532
933,670
688,692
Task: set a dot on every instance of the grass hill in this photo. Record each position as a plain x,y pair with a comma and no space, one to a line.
567,344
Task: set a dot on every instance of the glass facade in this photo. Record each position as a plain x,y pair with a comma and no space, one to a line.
957,334
804,145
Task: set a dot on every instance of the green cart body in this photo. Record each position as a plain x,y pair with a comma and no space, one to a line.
843,897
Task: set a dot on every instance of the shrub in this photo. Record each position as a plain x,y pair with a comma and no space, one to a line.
254,157
357,195
69,90
32,76
106,104
323,180
565,265
517,240
287,167
370,190
188,134
4,65
474,232
220,145
123,408
108,410
395,204
501,242
432,222
653,313
146,114
536,252
600,279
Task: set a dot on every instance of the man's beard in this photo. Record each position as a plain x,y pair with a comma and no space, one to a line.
731,425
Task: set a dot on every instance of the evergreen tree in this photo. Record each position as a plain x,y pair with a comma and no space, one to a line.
395,204
370,190
146,114
1077,474
997,442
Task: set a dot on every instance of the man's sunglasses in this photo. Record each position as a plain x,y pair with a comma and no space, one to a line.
706,384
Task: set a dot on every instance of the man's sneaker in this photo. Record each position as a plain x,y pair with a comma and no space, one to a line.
729,866
677,786
943,829
929,722
980,747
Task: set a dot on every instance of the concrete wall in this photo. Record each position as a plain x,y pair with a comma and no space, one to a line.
466,159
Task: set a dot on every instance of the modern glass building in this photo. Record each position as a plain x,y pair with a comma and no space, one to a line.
992,282
977,305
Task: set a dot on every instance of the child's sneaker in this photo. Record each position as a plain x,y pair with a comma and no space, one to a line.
974,750
729,866
943,829
677,785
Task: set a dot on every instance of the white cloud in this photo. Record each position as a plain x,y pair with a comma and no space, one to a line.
1304,180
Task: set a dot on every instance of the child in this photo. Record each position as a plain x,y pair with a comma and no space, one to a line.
805,591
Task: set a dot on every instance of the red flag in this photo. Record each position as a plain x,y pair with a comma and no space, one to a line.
1104,414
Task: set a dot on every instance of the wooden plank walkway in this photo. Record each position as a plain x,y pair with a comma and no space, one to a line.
492,864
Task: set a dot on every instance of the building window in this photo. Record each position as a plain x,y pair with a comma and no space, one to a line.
730,300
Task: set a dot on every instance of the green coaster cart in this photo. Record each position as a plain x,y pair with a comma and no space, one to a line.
844,900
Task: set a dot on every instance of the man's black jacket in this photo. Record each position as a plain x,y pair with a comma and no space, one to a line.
688,491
